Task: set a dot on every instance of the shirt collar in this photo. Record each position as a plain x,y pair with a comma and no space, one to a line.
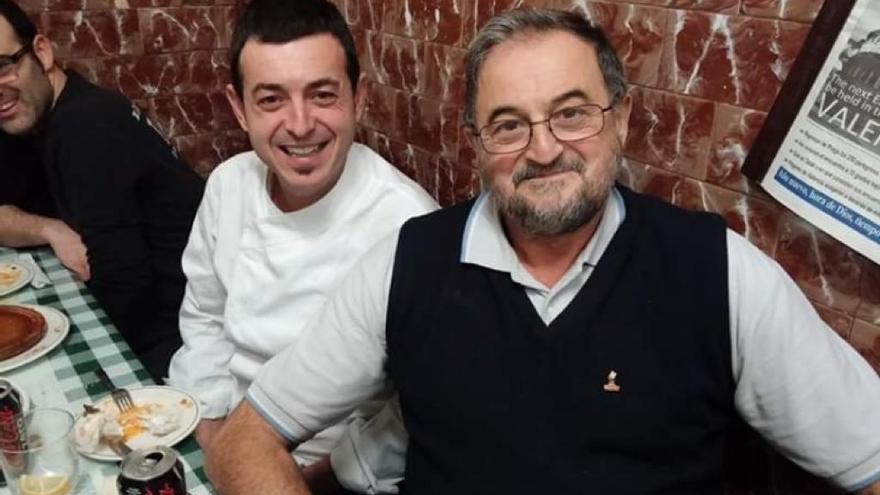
485,244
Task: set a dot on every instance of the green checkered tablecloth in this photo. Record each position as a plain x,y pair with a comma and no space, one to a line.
92,342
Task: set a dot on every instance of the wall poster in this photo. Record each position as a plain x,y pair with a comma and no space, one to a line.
819,150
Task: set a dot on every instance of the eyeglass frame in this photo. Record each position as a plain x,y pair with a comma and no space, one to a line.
14,59
532,124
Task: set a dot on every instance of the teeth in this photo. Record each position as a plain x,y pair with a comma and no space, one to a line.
301,150
7,106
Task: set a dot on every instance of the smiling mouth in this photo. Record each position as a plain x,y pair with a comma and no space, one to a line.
542,177
6,106
302,151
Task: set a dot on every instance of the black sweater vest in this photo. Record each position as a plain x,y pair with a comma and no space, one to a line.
498,403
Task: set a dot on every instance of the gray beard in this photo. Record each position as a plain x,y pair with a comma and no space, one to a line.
563,218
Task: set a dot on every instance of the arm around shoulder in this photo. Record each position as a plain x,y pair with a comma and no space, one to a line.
248,456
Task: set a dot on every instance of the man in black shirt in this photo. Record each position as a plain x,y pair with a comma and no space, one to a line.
114,179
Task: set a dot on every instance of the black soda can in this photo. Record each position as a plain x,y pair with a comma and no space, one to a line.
153,471
12,432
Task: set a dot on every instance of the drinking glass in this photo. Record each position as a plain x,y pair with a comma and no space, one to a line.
48,464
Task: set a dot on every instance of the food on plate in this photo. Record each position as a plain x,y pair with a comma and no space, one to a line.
9,274
21,328
157,419
46,484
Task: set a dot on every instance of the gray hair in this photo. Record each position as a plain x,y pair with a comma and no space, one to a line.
513,23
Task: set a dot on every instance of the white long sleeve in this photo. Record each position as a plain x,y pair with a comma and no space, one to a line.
201,322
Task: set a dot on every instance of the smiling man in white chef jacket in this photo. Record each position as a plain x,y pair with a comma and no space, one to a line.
280,225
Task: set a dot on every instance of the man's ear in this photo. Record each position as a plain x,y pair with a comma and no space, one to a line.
473,140
237,105
621,118
360,97
44,52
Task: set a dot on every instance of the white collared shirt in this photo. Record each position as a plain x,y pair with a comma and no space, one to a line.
257,275
797,382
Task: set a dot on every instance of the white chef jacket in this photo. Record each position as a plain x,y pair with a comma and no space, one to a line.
797,382
257,275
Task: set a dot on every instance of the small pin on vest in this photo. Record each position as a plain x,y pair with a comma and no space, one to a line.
611,386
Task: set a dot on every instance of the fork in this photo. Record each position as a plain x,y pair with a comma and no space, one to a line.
120,396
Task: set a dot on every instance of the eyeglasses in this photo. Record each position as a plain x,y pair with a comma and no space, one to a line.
8,62
566,124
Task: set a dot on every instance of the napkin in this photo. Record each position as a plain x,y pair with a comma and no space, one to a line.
40,279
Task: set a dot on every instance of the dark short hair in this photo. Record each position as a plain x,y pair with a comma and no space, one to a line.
283,21
517,23
21,24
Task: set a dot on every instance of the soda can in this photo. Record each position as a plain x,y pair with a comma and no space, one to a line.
153,471
12,432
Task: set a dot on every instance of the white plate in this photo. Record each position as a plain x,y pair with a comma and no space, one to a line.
24,277
57,326
163,396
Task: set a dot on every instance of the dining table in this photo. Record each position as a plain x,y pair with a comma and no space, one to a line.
65,378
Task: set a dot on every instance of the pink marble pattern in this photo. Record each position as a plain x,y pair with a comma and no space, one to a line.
427,124
364,14
733,134
636,33
730,59
869,309
93,33
443,69
799,10
827,271
191,114
381,108
427,20
670,131
839,321
755,219
394,61
865,337
185,28
205,151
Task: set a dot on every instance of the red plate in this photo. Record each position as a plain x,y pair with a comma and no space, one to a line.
20,329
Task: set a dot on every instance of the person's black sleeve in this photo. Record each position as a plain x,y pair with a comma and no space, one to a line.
99,178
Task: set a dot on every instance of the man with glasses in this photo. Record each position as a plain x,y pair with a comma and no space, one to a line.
114,179
27,213
560,334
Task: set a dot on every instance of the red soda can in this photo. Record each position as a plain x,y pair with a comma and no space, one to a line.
153,471
13,436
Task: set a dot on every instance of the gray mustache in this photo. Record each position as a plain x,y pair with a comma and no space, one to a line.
532,169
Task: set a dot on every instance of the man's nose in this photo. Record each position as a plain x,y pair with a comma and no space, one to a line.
543,148
299,121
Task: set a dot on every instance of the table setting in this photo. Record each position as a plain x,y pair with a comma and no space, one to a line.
84,402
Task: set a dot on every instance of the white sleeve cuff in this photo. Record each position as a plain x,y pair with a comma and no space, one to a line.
214,398
859,477
272,412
